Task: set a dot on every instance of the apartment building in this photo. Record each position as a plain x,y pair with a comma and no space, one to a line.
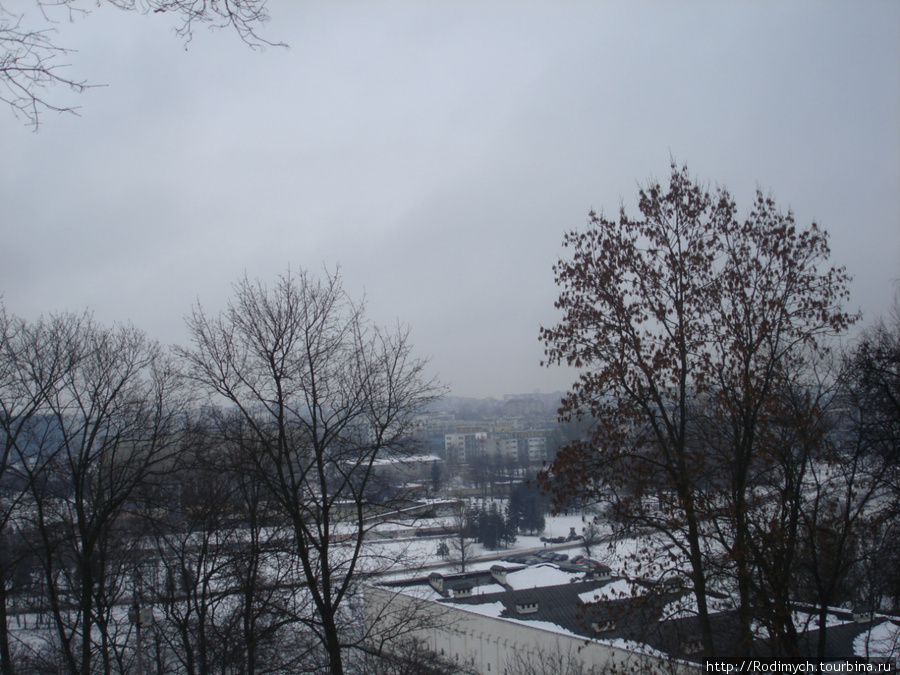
521,447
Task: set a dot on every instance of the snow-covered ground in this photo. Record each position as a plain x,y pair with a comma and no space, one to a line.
882,642
631,560
411,552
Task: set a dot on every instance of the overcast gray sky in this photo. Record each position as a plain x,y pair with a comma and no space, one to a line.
438,151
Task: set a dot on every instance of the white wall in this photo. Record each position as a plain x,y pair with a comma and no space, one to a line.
490,644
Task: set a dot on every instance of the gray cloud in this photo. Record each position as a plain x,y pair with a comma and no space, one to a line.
437,152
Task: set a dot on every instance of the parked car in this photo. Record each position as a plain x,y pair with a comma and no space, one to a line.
578,560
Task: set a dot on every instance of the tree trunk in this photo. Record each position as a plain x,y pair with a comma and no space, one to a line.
699,579
86,616
333,646
6,667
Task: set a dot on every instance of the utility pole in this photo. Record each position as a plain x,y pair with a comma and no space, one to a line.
141,618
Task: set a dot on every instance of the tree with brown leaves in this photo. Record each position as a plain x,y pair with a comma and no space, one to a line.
689,329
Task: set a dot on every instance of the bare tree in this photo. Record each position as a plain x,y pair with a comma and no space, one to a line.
557,661
850,518
841,529
34,358
321,393
410,656
461,543
591,537
31,62
112,420
569,661
872,379
226,591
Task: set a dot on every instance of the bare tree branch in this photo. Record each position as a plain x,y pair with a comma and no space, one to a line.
32,63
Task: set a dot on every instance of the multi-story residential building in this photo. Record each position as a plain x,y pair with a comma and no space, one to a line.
522,447
463,446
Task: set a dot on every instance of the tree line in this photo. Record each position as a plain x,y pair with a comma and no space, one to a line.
725,424
228,484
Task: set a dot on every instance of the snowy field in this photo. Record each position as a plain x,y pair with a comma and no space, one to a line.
411,553
403,554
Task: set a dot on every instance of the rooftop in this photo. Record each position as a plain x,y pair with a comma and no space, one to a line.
650,615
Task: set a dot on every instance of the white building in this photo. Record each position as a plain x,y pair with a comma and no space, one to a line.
502,619
499,619
523,447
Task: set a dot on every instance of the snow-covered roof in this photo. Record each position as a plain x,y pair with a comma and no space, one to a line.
539,576
406,459
881,641
637,615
